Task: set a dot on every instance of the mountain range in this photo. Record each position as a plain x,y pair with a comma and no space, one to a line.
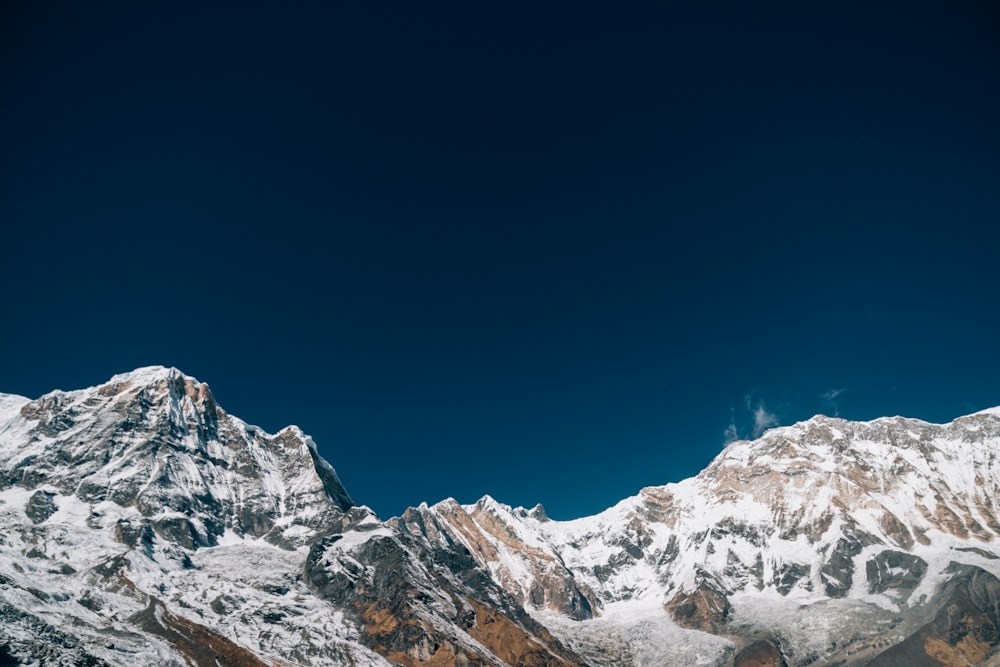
144,525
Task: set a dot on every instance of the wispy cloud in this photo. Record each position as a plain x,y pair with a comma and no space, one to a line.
763,419
732,433
829,398
758,419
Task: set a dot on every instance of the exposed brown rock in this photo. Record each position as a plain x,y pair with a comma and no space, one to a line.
197,643
970,650
947,519
762,653
896,530
399,620
423,646
659,505
815,531
702,609
406,641
988,511
511,644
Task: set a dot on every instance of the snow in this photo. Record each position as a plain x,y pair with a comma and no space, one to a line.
10,406
256,577
640,634
148,375
785,499
351,540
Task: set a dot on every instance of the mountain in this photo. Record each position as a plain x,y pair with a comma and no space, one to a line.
145,525
861,524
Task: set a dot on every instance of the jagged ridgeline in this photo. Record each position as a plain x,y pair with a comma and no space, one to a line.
144,525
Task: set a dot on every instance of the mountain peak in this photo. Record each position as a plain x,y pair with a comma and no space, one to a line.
153,440
149,375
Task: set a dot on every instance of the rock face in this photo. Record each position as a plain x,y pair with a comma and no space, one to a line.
762,653
145,525
421,605
534,576
895,571
705,608
964,630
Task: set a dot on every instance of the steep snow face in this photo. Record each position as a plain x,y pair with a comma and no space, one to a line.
10,405
155,441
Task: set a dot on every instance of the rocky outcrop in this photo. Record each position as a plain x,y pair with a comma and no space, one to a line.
706,608
895,571
838,570
488,531
761,653
964,628
40,506
788,575
427,606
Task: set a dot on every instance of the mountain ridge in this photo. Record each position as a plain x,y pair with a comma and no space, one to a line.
157,525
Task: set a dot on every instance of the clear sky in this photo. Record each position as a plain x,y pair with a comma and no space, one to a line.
553,252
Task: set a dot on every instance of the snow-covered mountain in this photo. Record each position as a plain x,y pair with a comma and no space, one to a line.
142,524
860,523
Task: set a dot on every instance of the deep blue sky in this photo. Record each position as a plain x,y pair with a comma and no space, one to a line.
546,251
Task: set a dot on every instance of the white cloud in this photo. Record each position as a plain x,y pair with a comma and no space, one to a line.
763,419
